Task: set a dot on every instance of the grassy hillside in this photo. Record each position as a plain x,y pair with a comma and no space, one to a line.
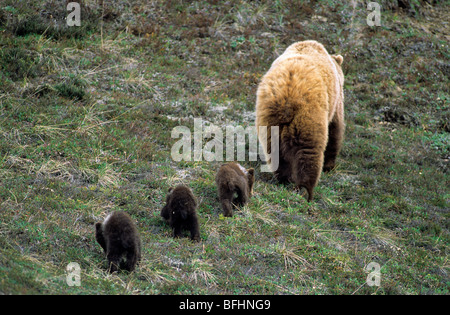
86,115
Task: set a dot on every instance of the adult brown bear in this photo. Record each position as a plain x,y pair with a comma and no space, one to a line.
302,94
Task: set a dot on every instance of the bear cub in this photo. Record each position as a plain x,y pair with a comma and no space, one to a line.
234,186
118,236
180,211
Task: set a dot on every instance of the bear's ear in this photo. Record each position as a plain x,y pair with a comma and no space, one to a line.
251,171
170,189
339,59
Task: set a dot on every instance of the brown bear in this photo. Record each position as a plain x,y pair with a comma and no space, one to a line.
232,178
180,211
302,94
118,236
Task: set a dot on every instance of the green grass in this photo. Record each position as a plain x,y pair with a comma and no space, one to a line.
86,116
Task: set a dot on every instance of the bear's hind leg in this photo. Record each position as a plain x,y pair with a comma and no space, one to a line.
113,257
242,194
194,229
227,207
177,230
132,259
283,173
335,136
307,169
307,153
226,199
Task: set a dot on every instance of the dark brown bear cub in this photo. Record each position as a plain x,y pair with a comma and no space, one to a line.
180,211
233,179
118,236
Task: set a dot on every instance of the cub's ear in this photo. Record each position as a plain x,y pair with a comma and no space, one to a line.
339,59
170,189
251,171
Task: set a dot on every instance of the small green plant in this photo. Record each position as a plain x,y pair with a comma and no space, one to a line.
18,63
72,88
438,141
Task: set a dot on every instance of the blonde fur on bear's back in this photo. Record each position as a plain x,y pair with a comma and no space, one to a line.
302,93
